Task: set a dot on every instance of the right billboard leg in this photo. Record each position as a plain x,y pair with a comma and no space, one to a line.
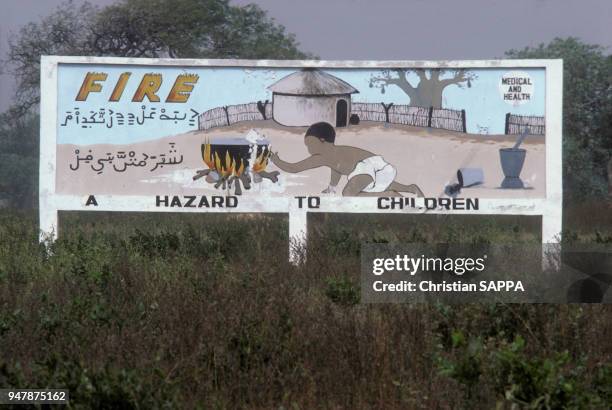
551,241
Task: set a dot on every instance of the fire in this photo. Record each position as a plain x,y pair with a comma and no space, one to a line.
234,166
240,169
206,155
261,162
227,165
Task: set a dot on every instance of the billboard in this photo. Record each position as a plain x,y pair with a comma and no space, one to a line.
168,135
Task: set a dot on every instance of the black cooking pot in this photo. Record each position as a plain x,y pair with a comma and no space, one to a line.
234,154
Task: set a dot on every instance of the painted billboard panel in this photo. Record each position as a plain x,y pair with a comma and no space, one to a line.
190,133
145,130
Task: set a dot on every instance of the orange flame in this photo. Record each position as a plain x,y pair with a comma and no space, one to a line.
229,165
217,163
261,162
207,156
240,169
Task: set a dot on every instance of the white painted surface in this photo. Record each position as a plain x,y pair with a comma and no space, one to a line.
298,233
550,207
48,151
552,215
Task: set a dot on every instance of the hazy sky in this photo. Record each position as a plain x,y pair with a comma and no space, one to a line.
393,29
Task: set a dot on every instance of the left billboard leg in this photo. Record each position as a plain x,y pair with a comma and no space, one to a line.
48,224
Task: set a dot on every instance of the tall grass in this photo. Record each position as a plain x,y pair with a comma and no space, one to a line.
193,311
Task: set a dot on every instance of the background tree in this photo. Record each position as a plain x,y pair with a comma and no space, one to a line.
127,28
19,160
428,91
146,28
587,113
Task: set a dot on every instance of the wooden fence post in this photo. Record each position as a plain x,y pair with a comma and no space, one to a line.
507,129
261,106
386,108
226,114
463,121
429,117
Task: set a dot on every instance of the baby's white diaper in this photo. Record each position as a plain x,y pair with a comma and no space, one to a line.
382,173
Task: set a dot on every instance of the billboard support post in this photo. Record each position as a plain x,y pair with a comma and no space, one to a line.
48,219
298,235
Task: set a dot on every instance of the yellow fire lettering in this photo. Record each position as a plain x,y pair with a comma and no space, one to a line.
118,91
90,85
148,87
182,88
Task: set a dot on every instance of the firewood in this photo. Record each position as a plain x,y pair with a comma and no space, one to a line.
201,173
246,181
272,176
236,181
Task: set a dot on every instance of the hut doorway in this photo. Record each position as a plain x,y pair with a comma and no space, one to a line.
341,113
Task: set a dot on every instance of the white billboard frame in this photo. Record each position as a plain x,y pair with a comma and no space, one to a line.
50,203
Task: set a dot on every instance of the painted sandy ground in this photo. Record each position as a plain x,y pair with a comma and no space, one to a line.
426,157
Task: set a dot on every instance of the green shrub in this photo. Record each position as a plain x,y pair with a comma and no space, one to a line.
538,383
342,291
207,309
551,381
105,388
466,368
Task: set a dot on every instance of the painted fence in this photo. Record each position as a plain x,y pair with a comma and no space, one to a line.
232,114
515,124
405,114
453,120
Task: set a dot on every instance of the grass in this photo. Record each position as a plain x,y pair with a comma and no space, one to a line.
204,311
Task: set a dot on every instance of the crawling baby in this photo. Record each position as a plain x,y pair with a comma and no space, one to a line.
368,174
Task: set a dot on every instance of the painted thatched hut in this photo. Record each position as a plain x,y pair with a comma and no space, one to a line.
310,95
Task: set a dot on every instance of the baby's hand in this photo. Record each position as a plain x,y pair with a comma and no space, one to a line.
274,158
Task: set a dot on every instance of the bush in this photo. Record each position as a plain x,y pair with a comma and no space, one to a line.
342,291
551,381
181,311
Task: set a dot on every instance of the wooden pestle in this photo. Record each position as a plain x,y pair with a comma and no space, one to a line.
520,139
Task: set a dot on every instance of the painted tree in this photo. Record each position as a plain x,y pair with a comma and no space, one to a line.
428,91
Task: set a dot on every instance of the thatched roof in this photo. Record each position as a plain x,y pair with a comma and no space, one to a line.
311,81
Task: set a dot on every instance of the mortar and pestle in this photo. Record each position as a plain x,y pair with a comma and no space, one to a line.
512,160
